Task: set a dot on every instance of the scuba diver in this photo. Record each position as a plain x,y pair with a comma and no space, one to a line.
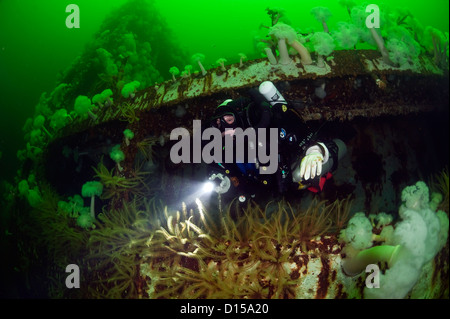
303,160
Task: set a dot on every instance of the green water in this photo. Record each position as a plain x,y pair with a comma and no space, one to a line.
224,27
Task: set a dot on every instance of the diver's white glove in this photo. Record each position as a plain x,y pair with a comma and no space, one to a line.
311,165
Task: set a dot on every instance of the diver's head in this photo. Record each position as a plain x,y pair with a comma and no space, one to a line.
226,116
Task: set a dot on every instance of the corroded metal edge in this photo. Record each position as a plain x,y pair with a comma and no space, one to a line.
340,73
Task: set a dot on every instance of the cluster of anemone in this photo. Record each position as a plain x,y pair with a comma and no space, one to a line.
400,39
405,246
187,253
29,189
193,256
117,186
285,34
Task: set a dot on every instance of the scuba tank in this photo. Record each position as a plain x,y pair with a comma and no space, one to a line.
271,93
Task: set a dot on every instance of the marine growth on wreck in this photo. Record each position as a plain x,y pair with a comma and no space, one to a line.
97,189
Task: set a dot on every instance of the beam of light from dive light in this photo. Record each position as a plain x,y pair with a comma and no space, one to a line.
208,187
200,190
217,183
